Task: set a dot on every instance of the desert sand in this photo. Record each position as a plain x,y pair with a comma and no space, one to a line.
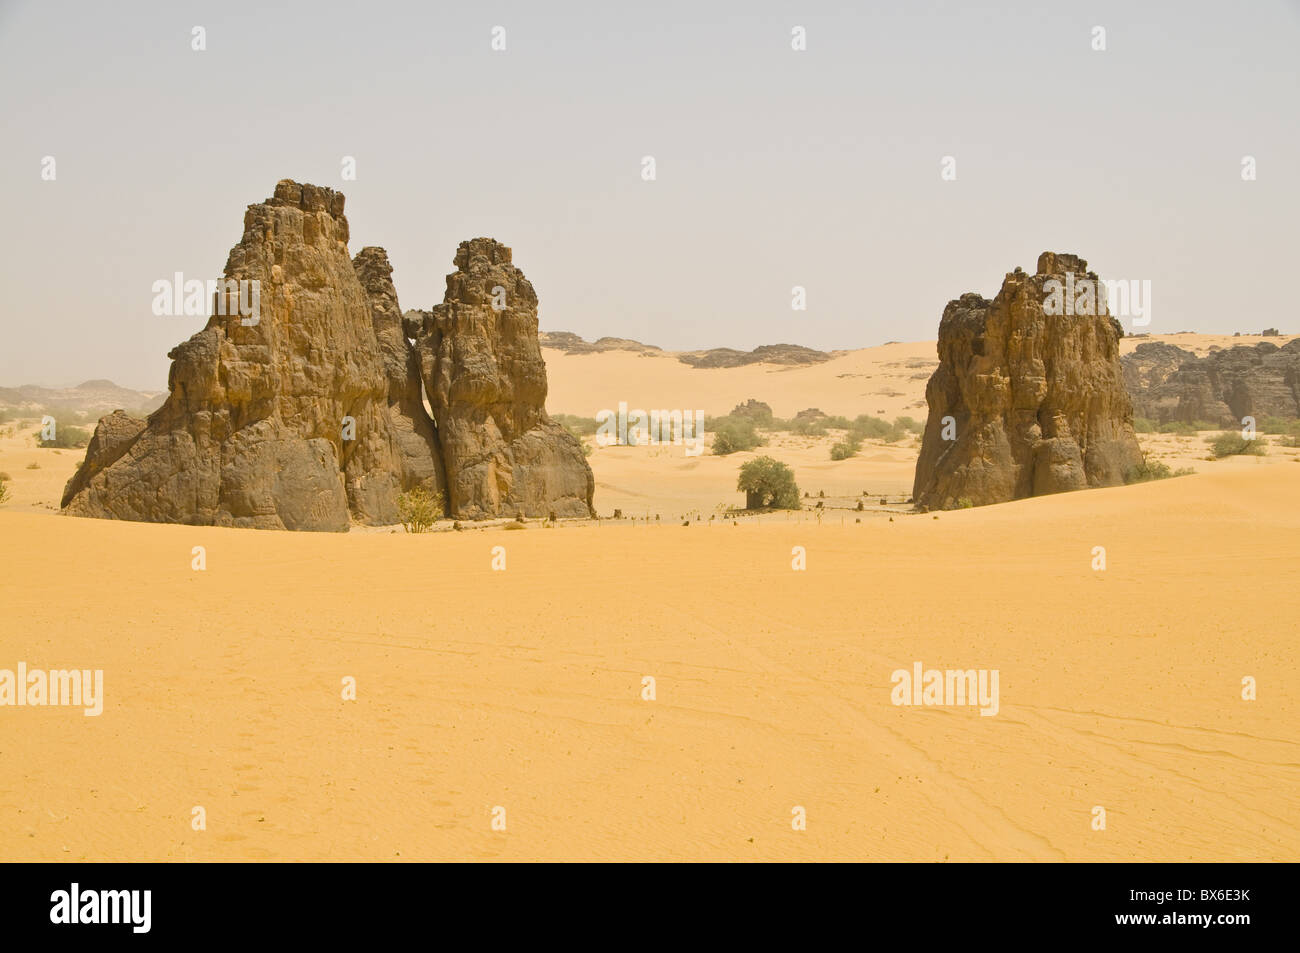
522,689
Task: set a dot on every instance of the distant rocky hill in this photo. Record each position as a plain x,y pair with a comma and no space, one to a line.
1167,383
765,354
92,397
571,343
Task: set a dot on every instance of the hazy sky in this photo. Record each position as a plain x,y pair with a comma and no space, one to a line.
775,168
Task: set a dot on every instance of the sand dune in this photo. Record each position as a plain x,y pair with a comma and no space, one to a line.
522,688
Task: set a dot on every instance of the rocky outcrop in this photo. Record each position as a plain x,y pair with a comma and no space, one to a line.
1221,388
571,343
1149,365
113,436
764,354
483,372
309,415
1024,402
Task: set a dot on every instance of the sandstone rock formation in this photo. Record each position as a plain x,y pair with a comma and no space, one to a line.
482,369
1148,367
1036,399
1221,388
311,416
417,455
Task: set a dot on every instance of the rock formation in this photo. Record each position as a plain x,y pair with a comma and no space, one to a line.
311,416
1148,367
763,354
482,369
1036,399
1221,388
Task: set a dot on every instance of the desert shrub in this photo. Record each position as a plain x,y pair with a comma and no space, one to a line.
1177,427
4,488
65,436
754,410
965,503
808,428
33,465
1202,425
419,509
1281,425
908,425
578,426
6,415
1232,443
871,427
836,423
1149,470
1144,425
768,482
842,451
731,434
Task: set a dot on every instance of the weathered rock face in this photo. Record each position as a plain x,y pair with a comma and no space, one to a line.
312,416
483,372
1037,400
417,456
1148,367
1221,388
252,432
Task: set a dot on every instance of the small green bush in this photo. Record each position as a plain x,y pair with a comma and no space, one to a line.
65,436
908,425
1144,425
419,509
808,428
965,503
578,426
1280,425
732,434
1231,443
1177,427
842,451
1149,470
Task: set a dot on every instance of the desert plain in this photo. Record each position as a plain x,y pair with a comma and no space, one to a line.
518,695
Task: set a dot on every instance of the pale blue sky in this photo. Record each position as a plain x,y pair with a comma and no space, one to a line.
775,168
